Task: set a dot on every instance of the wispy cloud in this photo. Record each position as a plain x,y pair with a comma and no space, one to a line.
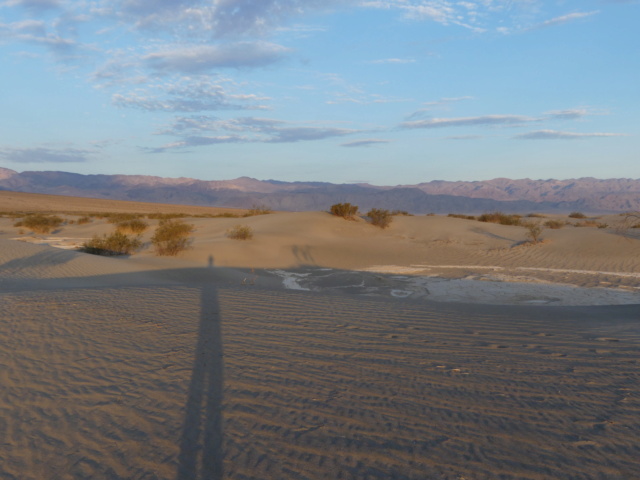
570,114
45,155
365,143
485,120
37,6
558,135
392,61
204,58
189,94
442,103
563,19
205,130
36,32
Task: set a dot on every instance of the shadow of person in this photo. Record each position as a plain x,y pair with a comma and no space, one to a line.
201,453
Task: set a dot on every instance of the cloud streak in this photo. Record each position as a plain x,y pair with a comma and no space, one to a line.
485,120
559,135
45,155
205,130
205,58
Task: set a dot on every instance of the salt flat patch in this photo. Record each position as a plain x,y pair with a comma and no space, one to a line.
490,288
66,243
291,280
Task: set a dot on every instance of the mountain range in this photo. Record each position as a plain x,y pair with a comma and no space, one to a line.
514,196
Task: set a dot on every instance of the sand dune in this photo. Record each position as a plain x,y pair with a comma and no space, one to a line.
330,359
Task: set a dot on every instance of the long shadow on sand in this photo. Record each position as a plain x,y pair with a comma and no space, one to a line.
201,455
201,439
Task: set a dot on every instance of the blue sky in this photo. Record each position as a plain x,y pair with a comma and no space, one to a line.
386,92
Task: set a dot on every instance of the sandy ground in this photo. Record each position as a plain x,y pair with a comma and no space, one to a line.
439,348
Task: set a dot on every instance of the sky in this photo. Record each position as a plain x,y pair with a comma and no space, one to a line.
386,92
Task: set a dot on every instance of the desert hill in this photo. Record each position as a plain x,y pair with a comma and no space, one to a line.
524,195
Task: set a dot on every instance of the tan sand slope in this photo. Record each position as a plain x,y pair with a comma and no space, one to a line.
481,262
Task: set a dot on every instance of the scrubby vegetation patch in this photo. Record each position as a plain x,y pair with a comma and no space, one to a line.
172,237
240,232
39,223
344,210
116,243
380,217
501,218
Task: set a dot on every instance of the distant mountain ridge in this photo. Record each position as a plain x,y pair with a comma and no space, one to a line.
438,196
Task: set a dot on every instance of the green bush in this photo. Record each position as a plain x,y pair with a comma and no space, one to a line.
40,223
172,237
344,210
577,215
379,217
501,218
240,232
115,244
132,226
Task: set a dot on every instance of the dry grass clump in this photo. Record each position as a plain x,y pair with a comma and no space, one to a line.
166,216
577,215
258,209
554,224
240,232
344,210
534,231
458,215
120,217
172,237
380,217
403,213
84,220
115,244
39,223
135,226
501,218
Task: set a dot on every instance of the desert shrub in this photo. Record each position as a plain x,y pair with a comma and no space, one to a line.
121,217
587,223
40,223
166,216
258,209
379,217
240,232
172,237
115,244
458,215
577,215
535,215
344,210
534,230
403,213
136,226
554,224
501,218
84,220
